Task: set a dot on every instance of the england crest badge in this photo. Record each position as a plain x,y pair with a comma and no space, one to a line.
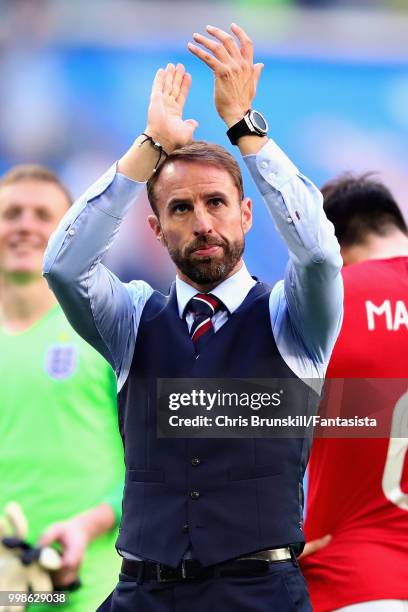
61,361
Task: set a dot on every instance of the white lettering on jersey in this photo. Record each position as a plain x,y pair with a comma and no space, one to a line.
401,315
393,321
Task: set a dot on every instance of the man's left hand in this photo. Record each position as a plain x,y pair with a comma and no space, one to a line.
236,76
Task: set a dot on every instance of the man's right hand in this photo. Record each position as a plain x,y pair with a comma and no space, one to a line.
164,120
165,123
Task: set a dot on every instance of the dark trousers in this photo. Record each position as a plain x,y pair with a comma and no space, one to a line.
282,589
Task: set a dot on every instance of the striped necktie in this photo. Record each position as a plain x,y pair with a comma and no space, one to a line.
203,306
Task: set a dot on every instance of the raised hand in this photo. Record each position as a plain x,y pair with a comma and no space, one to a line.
165,123
165,115
236,76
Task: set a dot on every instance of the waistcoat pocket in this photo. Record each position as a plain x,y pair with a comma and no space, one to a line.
256,471
146,475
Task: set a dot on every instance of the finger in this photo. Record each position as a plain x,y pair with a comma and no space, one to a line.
52,534
257,73
72,550
168,78
184,88
315,545
324,541
246,46
226,39
207,58
193,126
158,82
218,49
72,557
178,78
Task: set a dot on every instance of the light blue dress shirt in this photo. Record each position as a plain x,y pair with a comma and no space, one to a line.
306,307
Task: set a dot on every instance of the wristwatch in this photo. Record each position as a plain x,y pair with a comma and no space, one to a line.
252,123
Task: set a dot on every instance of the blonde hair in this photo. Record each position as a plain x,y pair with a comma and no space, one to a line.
35,172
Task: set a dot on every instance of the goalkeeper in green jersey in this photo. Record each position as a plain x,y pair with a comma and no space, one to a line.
61,456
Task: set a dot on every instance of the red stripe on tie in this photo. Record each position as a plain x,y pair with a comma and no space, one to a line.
201,330
208,298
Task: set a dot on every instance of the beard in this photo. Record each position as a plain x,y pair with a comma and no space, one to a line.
211,269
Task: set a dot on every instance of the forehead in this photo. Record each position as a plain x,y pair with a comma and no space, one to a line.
32,193
186,179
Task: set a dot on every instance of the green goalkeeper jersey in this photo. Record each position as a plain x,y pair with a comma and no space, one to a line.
60,451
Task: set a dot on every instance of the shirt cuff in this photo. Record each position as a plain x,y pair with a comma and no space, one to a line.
270,167
119,192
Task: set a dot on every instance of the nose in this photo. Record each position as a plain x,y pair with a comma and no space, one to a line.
202,223
25,221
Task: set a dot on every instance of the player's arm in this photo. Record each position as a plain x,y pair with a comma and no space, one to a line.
307,310
104,311
74,535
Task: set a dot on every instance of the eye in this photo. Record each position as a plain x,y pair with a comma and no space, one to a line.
11,213
216,202
180,208
43,214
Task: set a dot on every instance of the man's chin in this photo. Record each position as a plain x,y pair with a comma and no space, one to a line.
207,271
206,261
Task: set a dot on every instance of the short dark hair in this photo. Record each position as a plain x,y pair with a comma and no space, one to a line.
35,172
360,205
202,152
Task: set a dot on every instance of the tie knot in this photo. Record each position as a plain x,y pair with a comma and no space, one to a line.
204,304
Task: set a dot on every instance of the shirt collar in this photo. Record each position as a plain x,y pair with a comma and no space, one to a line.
231,292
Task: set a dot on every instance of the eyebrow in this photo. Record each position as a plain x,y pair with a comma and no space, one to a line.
208,196
17,204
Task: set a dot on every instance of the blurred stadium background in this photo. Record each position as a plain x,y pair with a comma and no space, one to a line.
75,80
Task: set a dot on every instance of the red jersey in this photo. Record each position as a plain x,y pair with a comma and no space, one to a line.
358,488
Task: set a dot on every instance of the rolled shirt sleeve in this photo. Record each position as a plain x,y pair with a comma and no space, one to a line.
307,307
102,309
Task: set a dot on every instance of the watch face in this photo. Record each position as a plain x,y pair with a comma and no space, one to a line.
259,122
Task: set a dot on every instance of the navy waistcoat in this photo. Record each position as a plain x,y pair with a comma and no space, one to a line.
250,490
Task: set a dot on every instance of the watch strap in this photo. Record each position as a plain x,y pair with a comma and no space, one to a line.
246,127
238,130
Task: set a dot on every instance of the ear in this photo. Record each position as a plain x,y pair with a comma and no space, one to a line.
246,214
155,226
